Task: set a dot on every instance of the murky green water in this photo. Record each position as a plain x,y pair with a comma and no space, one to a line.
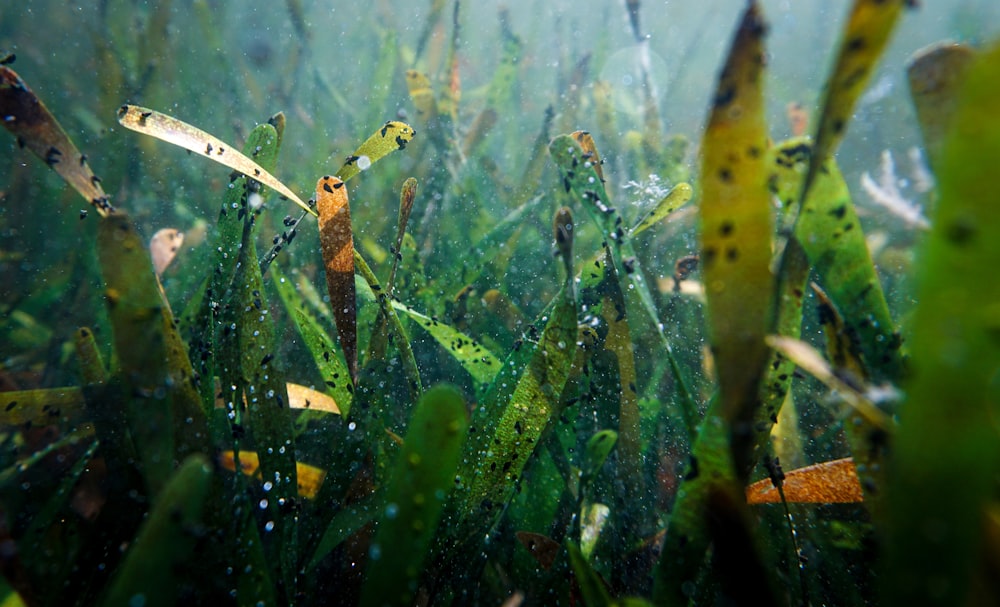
568,289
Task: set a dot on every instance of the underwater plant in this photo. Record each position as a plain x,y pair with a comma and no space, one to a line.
624,374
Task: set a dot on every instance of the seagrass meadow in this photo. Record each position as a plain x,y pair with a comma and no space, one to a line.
477,303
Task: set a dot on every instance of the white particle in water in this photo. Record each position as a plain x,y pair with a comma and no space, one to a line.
269,526
263,504
364,162
255,200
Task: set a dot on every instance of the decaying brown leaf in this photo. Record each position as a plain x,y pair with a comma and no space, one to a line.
27,118
337,242
833,482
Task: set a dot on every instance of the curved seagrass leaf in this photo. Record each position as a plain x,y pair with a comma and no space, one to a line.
301,397
346,523
834,482
152,572
935,75
579,171
491,468
475,358
137,312
317,341
260,377
208,325
169,129
793,273
599,447
27,118
677,197
336,238
946,456
592,587
829,231
812,362
735,213
391,136
423,474
865,35
386,311
407,194
581,179
736,253
600,291
81,434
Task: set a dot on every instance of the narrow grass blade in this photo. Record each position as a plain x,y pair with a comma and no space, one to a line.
165,548
406,197
829,231
391,136
169,129
346,523
677,197
600,292
946,455
592,587
269,417
491,470
137,314
424,473
812,362
736,225
317,341
27,118
478,361
581,179
402,339
736,253
336,239
868,28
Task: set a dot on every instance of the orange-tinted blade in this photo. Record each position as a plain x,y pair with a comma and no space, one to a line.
337,241
834,482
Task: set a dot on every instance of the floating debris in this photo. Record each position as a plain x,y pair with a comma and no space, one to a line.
163,248
885,193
